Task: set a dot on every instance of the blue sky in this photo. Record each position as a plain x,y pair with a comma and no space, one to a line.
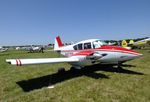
40,21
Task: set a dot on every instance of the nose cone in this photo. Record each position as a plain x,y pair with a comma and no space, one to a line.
133,54
130,53
126,54
138,55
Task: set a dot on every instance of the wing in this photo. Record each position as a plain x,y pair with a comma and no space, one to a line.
20,62
88,55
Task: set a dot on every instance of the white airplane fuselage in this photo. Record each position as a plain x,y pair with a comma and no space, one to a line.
113,54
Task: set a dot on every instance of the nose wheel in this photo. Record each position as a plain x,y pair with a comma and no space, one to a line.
119,67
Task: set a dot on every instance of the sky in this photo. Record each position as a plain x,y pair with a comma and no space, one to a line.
40,21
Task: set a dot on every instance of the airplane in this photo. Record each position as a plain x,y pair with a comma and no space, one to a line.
84,53
33,49
141,43
3,49
124,44
136,44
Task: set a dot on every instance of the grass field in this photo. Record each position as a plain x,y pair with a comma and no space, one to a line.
92,84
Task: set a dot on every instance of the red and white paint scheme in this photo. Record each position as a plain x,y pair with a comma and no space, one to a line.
84,53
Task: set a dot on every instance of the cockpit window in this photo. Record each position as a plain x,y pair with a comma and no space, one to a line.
87,45
79,46
75,47
103,42
98,43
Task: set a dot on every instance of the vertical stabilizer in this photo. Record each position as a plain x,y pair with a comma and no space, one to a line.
58,43
124,43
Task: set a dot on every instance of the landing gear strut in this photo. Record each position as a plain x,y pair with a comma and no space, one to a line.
119,66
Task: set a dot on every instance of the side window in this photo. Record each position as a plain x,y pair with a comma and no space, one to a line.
79,46
75,47
87,45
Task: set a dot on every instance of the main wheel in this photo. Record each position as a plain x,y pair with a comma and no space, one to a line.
73,69
61,70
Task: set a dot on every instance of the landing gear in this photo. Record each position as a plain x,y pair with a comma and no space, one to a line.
61,70
119,67
73,69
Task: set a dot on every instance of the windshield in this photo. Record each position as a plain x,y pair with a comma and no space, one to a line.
98,43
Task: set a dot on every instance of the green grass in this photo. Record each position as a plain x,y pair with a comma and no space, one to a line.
29,83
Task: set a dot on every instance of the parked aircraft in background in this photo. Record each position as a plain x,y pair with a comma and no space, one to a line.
34,49
136,44
31,48
124,44
141,43
112,42
84,53
3,49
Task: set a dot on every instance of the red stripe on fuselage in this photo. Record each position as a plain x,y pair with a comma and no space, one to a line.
85,53
119,49
104,48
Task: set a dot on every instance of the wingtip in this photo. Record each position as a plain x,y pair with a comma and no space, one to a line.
140,54
8,61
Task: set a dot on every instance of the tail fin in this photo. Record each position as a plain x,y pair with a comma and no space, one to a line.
131,42
58,43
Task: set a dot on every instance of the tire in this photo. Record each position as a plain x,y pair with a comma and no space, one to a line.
61,70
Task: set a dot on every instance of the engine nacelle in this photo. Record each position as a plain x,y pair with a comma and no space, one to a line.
96,56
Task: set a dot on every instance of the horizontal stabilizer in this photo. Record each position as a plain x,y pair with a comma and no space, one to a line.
20,62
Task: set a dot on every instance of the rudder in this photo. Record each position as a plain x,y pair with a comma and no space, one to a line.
58,43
